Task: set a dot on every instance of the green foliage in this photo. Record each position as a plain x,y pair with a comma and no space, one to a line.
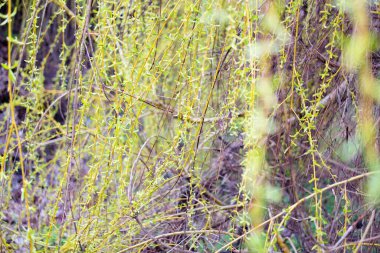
195,126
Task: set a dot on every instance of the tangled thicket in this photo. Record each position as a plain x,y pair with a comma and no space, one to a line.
189,126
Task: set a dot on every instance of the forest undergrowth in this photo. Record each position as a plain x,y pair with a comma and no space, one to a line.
189,126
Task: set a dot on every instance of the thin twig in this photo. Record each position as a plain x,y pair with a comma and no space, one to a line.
187,232
370,222
292,207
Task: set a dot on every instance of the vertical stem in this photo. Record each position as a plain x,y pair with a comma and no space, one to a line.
14,124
